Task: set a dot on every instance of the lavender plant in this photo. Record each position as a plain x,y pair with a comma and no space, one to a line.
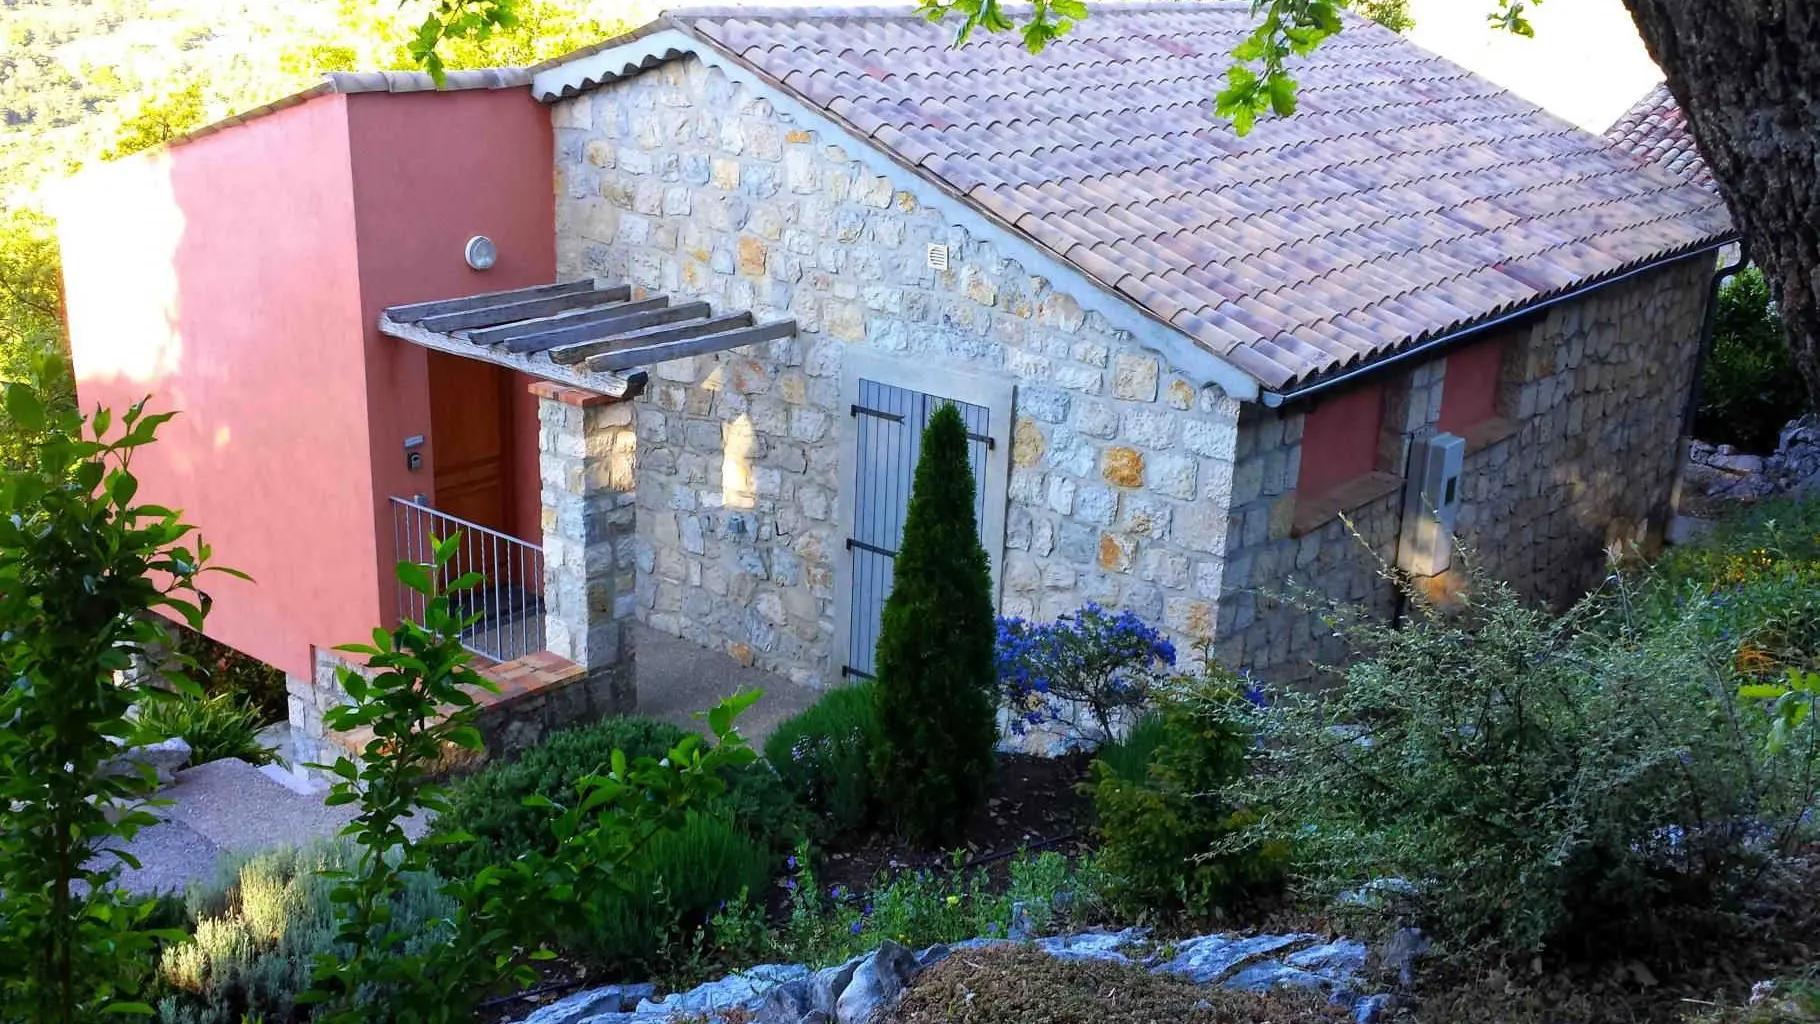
1094,659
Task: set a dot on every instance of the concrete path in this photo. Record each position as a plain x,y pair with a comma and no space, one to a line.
231,807
678,678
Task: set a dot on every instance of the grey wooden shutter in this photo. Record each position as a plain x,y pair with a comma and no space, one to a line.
889,423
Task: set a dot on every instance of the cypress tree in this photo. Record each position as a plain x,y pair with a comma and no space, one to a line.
936,695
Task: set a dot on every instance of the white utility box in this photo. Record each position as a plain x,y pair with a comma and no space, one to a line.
1431,503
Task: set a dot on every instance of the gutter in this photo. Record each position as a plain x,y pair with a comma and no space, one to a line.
1272,399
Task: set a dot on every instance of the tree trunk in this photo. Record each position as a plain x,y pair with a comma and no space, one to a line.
1747,75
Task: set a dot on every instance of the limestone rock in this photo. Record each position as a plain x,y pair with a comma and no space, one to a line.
1205,959
826,986
1097,945
166,758
592,1003
743,990
875,983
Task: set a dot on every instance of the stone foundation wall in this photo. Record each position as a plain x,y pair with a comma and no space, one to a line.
309,700
1593,392
536,694
681,181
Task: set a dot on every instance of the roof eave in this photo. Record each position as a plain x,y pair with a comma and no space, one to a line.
1309,388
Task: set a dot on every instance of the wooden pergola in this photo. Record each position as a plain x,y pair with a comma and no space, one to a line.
590,334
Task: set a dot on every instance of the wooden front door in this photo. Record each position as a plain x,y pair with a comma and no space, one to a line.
471,439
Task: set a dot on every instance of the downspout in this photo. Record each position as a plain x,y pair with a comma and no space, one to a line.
1708,325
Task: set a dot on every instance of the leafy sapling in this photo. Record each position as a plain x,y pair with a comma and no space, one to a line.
82,570
415,699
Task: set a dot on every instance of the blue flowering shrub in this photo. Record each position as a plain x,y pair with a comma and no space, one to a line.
1585,783
1175,837
1094,662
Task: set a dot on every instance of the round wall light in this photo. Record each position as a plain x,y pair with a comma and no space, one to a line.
481,252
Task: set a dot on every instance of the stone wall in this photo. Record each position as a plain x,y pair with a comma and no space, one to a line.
684,182
1593,394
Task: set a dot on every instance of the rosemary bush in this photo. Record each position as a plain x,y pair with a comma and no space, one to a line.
1588,780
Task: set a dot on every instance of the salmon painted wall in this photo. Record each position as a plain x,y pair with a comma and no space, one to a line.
238,278
432,170
217,277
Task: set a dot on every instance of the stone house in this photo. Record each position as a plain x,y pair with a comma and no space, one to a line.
1194,364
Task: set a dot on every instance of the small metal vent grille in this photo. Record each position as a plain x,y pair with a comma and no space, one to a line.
938,257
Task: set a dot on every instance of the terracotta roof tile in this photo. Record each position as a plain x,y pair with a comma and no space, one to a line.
1655,131
1407,198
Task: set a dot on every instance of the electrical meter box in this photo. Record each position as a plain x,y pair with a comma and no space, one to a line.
1431,503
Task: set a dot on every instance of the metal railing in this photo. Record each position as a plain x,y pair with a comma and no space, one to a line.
509,599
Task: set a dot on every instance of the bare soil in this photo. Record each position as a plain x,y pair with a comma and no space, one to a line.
1035,804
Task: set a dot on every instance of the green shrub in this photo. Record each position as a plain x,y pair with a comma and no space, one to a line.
1749,387
672,886
937,679
490,803
671,889
823,757
221,669
1754,585
257,928
1587,780
1162,802
224,725
1764,539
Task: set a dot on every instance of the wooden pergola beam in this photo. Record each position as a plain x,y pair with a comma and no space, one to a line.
588,334
493,314
572,318
412,312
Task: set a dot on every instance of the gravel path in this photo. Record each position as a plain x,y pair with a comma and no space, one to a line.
224,807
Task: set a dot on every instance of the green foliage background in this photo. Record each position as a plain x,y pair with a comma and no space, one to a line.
1749,387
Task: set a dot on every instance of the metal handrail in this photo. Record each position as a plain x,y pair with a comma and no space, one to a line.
508,603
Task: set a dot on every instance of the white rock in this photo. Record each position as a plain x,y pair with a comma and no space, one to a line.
875,983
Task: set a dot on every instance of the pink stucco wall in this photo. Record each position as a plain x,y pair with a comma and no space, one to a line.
236,278
432,170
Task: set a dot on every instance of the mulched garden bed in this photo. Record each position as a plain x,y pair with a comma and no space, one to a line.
1026,986
1035,805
